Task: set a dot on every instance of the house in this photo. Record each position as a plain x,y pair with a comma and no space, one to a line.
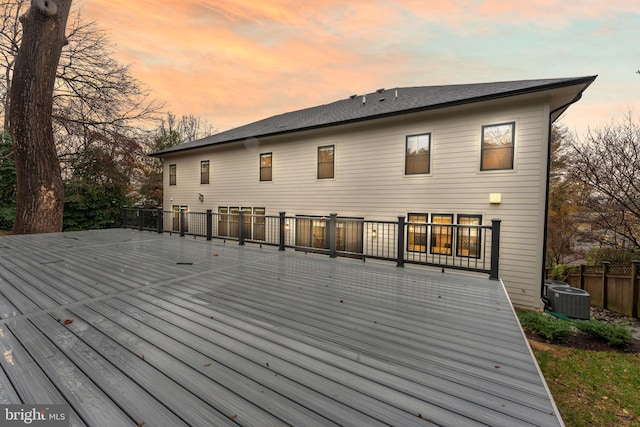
459,154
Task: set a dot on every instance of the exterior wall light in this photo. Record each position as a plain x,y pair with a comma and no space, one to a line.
374,233
495,198
201,197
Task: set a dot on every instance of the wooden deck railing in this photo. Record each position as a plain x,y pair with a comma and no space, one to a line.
464,247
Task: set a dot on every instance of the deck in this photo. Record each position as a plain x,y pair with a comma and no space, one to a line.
132,327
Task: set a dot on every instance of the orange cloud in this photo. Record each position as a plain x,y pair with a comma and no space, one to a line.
234,62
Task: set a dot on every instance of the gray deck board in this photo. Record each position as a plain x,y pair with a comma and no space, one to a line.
450,395
270,370
371,336
30,382
90,403
139,405
180,331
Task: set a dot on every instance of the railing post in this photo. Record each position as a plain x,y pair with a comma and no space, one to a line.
209,223
283,225
635,270
140,218
495,249
241,228
605,284
400,261
124,217
182,221
160,221
332,235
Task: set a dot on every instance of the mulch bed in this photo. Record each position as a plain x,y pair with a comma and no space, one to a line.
583,341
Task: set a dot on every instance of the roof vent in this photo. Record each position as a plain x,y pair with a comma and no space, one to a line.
382,99
353,96
380,90
396,93
364,99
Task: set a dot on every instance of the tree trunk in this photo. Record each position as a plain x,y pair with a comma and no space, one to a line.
40,194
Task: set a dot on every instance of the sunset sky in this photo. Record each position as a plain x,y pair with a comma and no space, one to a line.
235,62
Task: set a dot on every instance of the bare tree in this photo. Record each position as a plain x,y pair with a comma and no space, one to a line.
565,207
97,102
97,106
607,163
172,131
39,198
10,37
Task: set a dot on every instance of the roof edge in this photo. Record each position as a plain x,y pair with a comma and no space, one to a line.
586,81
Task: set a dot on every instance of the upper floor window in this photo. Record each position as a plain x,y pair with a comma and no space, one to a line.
265,167
498,143
204,172
417,158
326,161
172,174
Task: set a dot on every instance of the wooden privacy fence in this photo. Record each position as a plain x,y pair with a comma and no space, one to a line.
614,287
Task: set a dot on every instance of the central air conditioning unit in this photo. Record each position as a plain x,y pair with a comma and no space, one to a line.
571,302
546,290
548,284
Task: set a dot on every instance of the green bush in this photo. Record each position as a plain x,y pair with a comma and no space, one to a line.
613,333
7,216
546,326
560,272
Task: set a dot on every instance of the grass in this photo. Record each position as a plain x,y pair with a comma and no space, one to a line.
592,388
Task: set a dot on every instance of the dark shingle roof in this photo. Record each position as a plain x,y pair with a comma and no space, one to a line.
379,104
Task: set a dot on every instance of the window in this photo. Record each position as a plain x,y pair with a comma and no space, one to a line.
176,217
441,235
325,161
312,232
497,146
417,233
204,172
234,221
253,226
172,174
223,222
468,240
265,167
417,159
259,222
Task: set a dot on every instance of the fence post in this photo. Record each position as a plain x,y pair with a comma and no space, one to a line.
159,220
241,227
283,226
182,221
124,217
605,284
582,276
635,270
209,223
400,260
332,235
140,218
495,249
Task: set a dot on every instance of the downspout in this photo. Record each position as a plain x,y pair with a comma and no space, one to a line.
546,196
